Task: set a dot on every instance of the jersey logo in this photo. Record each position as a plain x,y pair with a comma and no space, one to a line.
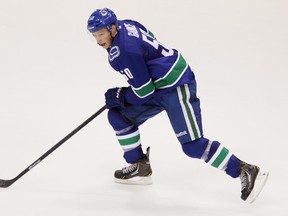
114,53
104,12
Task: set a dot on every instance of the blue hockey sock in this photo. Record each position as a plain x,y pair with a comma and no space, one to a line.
133,155
221,158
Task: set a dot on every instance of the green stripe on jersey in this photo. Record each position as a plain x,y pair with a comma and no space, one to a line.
151,34
173,74
144,90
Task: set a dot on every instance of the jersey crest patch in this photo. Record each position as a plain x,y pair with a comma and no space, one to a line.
114,53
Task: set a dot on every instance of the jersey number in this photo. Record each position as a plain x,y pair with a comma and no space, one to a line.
153,42
127,73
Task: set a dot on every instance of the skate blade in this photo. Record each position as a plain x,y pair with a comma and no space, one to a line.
135,181
258,186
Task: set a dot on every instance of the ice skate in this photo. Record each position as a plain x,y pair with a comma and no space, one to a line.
252,181
138,173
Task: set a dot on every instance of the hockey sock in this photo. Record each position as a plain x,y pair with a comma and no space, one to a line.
221,158
131,144
133,155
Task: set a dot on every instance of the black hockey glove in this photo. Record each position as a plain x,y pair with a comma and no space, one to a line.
114,97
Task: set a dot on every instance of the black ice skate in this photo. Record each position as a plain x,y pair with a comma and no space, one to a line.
138,173
252,181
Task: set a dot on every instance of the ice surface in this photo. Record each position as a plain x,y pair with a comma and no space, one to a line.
53,77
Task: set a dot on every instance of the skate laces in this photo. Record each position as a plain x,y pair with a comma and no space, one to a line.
130,168
244,180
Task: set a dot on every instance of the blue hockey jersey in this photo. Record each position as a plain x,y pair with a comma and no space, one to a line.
149,67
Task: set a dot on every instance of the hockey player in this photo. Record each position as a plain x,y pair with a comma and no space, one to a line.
159,79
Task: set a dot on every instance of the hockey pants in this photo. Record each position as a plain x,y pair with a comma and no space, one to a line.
183,109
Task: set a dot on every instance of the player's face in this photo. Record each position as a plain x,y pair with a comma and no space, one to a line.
103,38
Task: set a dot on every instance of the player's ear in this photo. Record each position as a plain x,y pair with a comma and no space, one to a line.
113,30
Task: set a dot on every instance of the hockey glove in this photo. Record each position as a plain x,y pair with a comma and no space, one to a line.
114,97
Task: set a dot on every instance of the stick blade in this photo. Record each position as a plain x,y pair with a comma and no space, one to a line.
6,183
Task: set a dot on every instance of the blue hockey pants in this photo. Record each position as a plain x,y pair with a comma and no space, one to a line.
183,109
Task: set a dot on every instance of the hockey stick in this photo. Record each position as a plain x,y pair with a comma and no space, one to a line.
7,183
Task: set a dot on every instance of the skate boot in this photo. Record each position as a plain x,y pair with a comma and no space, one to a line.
138,173
252,181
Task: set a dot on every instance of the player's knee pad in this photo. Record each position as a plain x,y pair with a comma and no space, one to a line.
196,148
117,121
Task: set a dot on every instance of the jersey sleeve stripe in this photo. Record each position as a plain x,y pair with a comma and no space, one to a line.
145,90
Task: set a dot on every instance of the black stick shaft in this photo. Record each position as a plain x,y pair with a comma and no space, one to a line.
7,183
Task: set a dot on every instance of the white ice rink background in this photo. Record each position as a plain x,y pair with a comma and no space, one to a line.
53,77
